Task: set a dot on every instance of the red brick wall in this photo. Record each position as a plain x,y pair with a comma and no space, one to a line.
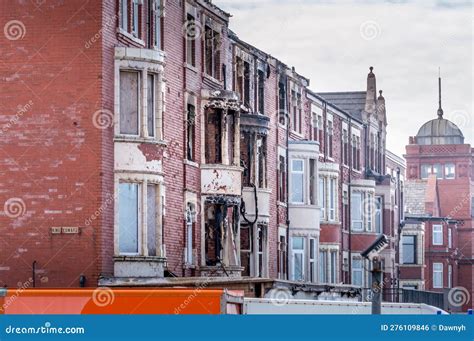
51,157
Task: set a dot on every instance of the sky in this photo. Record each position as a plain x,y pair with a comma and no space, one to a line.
333,43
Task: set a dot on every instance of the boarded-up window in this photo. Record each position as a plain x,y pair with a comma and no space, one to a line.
151,105
151,219
129,102
128,218
190,134
191,40
213,137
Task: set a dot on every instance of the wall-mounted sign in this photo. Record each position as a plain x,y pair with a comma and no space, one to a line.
65,230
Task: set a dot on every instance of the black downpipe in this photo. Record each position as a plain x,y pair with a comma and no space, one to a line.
33,273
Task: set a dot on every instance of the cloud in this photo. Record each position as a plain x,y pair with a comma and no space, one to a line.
325,41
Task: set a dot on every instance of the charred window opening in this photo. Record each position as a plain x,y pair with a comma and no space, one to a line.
220,227
282,179
282,258
282,103
214,131
242,80
212,55
190,133
253,158
245,249
261,92
190,42
220,136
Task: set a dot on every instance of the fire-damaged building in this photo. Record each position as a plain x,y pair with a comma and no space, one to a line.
160,148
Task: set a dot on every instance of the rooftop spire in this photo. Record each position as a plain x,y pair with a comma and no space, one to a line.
440,110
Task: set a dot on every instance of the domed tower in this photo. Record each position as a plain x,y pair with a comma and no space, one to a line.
440,186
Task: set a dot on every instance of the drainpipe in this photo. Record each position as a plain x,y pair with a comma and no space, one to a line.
399,230
349,191
33,273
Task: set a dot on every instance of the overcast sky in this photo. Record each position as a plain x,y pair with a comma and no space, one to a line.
334,42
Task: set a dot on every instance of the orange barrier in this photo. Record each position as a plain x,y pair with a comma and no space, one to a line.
121,301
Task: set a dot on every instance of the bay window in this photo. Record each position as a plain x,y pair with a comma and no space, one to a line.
378,215
332,198
322,197
323,261
139,218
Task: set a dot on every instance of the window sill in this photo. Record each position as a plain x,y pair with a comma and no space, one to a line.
128,37
212,79
298,134
138,139
191,68
191,163
281,203
356,171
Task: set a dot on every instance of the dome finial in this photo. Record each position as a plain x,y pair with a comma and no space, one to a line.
440,109
371,69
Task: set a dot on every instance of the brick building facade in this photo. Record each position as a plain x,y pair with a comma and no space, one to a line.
438,249
144,140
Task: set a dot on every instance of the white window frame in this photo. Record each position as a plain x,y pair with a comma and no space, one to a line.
135,29
190,220
323,266
158,11
378,209
301,252
361,220
369,212
450,276
450,238
302,174
447,168
333,189
124,15
437,230
333,266
359,269
312,260
322,196
438,272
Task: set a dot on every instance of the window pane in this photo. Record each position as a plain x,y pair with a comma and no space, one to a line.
297,181
298,267
438,171
449,171
409,246
151,105
128,218
151,219
298,243
129,103
425,170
